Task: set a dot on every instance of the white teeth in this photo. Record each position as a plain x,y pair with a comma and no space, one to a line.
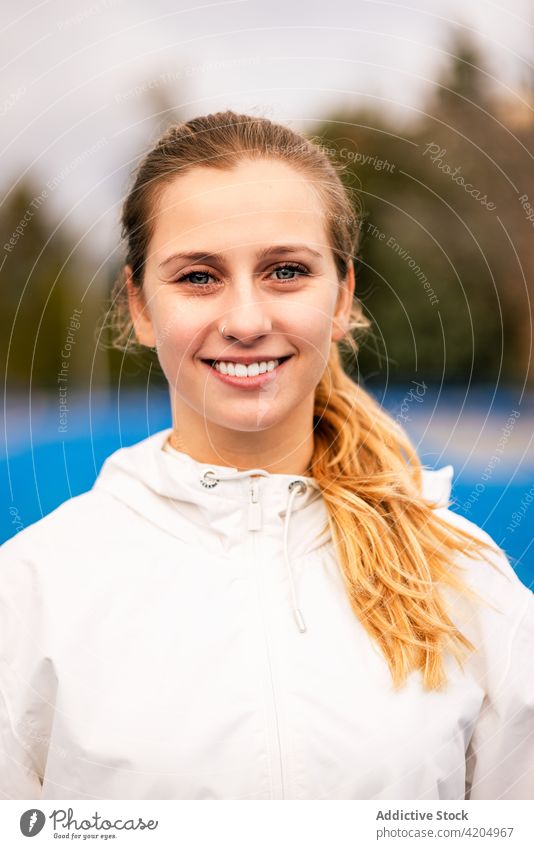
241,370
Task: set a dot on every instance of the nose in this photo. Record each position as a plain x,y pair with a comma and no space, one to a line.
247,315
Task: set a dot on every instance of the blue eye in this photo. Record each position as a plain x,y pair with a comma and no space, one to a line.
294,267
291,266
187,277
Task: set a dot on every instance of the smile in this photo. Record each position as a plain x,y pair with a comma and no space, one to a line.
247,376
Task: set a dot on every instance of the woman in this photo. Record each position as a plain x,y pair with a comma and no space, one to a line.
269,599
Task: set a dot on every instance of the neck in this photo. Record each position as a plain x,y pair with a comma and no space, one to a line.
276,459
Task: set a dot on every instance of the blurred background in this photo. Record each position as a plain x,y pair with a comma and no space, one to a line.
429,107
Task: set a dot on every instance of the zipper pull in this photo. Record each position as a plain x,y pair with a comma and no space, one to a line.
254,506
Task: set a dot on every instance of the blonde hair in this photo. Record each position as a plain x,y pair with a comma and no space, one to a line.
392,548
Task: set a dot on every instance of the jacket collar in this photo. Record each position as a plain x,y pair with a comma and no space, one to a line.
175,475
146,467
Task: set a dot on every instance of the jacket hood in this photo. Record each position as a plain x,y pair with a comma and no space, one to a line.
214,506
205,494
152,465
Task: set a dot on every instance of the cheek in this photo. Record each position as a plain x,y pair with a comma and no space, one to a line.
175,340
313,324
179,322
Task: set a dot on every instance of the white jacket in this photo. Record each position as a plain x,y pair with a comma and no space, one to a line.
152,648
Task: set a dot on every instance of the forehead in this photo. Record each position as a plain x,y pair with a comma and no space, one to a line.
254,202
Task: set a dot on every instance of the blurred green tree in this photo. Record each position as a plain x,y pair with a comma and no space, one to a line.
445,261
43,281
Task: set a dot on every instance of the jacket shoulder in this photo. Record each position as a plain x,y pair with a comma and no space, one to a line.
78,518
489,573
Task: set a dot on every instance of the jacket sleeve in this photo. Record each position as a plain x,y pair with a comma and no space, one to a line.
27,688
500,754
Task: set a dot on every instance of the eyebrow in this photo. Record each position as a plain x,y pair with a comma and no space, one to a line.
204,256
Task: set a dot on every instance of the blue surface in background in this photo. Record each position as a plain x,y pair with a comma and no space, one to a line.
42,468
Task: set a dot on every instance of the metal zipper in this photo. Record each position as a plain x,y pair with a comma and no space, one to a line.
255,524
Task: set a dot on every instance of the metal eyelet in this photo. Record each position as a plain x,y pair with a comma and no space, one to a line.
209,482
303,486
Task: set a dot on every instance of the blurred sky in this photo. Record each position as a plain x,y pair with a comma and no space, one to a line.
77,78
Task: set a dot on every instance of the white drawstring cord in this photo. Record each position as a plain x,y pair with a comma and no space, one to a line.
292,494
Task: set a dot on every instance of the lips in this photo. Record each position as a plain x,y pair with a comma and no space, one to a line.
247,383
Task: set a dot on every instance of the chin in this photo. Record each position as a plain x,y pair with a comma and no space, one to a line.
255,422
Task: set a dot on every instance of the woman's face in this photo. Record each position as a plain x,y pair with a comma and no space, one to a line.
265,272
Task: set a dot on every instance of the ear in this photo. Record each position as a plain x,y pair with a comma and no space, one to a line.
344,304
141,320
